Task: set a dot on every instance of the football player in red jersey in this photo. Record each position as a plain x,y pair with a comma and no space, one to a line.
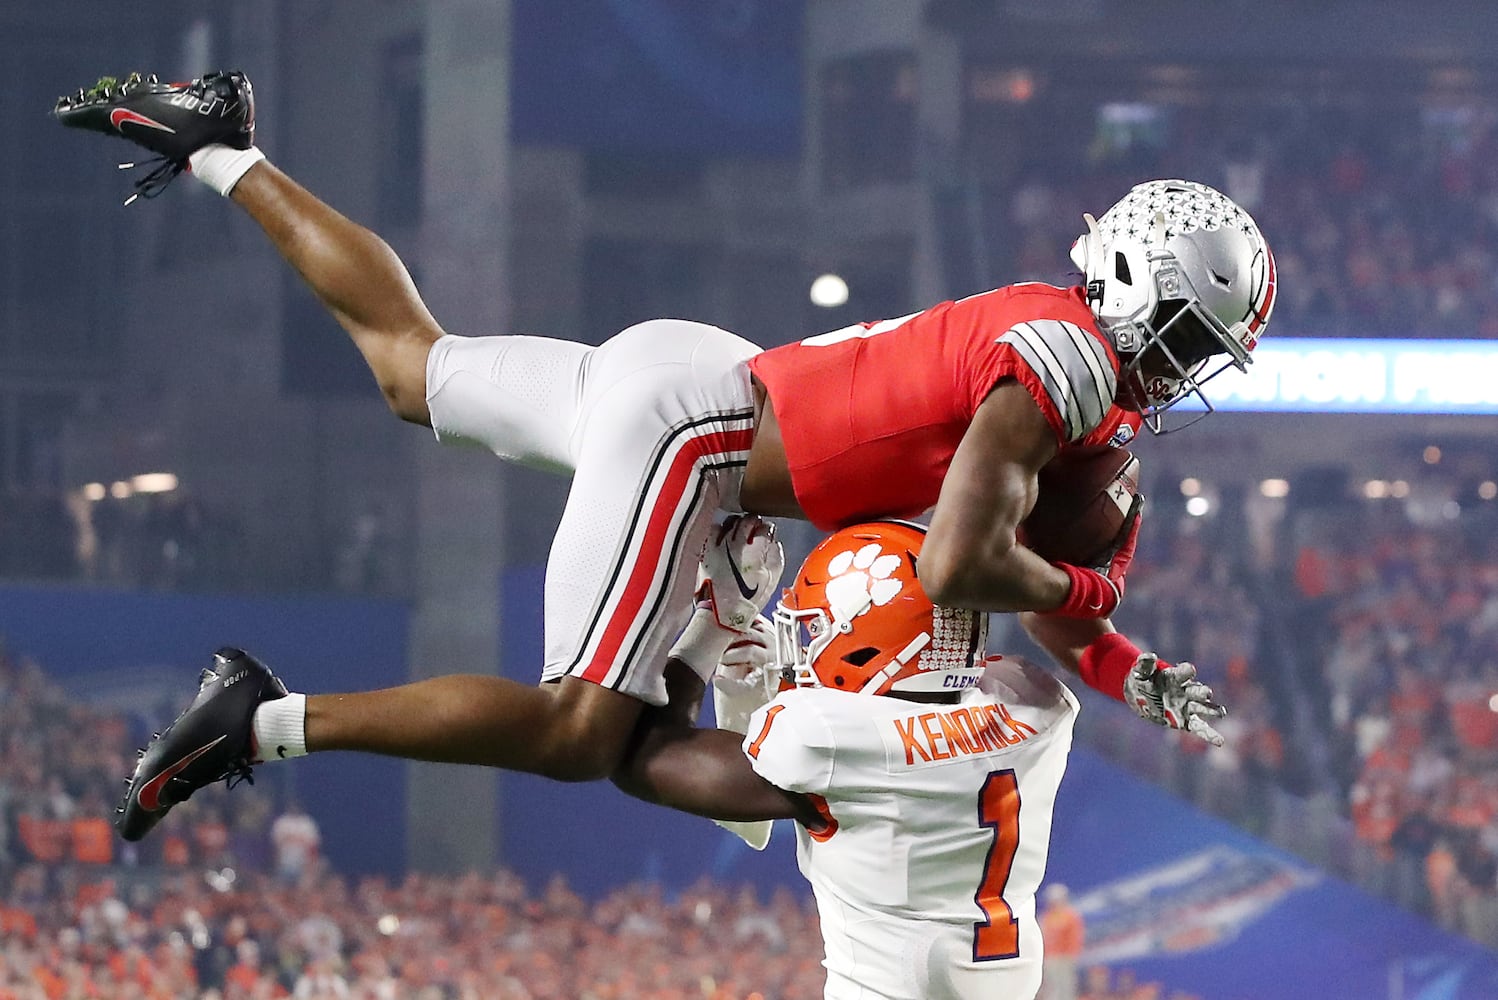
953,409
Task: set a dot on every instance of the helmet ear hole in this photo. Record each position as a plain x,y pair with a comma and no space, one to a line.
1121,270
859,657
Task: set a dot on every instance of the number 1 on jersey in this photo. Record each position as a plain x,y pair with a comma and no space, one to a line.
997,935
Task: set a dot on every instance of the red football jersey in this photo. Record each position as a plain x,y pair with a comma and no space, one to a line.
872,414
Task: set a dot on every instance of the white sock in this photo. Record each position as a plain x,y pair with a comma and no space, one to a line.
221,167
280,728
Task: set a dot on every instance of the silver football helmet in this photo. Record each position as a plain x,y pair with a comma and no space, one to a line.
1178,275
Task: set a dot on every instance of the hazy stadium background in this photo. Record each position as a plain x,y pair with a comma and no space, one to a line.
1323,548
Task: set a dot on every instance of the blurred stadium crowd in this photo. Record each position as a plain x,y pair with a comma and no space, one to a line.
326,937
427,938
1360,664
1383,221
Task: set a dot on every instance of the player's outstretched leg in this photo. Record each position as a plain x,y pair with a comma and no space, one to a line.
244,716
210,741
209,124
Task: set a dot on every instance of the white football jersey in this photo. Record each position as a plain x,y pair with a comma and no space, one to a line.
940,825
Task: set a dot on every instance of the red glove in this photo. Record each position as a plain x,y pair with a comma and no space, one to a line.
1096,593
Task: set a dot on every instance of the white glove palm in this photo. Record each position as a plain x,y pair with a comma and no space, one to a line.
1173,697
746,677
740,570
735,580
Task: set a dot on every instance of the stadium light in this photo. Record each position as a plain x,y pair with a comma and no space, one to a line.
1275,488
1487,489
1191,487
829,291
1198,506
94,491
154,482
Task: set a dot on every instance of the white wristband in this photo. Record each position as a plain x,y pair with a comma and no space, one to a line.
221,167
702,644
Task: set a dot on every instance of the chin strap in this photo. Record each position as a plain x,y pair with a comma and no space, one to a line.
903,657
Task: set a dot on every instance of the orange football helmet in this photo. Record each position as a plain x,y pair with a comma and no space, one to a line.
867,624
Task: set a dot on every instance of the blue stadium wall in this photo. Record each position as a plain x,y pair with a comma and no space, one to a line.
658,76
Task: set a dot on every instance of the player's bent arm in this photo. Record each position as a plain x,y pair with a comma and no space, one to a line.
1091,648
1066,639
971,557
705,772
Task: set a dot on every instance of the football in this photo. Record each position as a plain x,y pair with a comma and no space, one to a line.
1085,497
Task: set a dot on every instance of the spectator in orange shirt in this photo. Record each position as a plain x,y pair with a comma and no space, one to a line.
1441,883
49,981
246,974
91,836
1098,986
16,923
1064,932
44,837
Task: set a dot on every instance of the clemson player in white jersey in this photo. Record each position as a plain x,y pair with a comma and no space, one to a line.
922,773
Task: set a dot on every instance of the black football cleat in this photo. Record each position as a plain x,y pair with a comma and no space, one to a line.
209,742
171,120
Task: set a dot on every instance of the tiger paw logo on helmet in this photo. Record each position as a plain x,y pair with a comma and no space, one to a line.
861,579
871,627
